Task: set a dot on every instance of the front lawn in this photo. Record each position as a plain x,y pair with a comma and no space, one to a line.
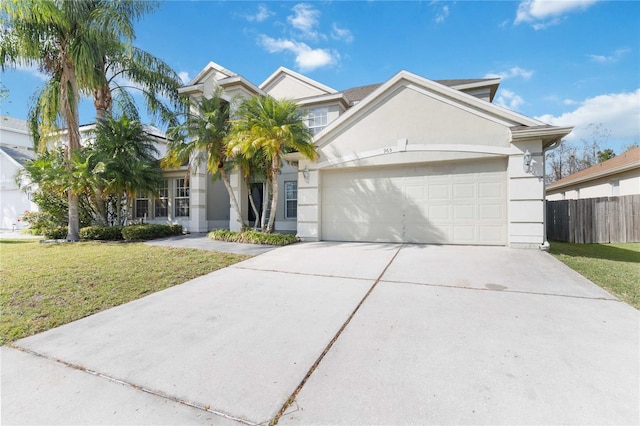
47,285
614,267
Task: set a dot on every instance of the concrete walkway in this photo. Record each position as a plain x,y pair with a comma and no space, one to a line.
202,242
352,334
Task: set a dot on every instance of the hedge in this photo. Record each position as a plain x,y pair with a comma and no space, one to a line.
150,231
253,237
111,233
57,233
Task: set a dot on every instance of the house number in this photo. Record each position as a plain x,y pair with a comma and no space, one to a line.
387,150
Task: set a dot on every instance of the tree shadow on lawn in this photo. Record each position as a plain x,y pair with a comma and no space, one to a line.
598,251
25,241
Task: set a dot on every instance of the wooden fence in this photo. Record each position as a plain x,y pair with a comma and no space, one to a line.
595,220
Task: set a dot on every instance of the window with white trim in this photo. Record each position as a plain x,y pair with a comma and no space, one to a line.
291,200
142,205
161,205
317,119
181,198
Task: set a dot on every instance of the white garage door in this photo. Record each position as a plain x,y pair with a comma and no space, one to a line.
454,203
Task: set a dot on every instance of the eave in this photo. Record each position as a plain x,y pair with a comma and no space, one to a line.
548,134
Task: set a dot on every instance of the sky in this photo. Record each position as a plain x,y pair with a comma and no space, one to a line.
567,63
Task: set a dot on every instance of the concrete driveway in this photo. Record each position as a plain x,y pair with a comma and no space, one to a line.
352,334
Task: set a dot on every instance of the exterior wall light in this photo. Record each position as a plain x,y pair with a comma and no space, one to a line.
526,161
305,173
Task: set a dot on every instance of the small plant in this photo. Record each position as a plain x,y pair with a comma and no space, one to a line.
253,237
105,233
150,231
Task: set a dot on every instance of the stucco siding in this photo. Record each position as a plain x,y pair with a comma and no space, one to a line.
292,88
217,201
421,120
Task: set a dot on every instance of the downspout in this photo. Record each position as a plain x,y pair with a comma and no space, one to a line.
553,145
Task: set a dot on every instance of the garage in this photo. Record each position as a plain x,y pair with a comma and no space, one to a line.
460,202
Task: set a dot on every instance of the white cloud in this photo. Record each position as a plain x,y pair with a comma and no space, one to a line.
261,15
184,76
618,112
614,57
33,70
543,13
307,59
509,99
569,102
305,19
338,33
442,14
511,73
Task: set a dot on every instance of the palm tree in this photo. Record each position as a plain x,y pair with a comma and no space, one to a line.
128,157
125,67
203,137
272,128
66,39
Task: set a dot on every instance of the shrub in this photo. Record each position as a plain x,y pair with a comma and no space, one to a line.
110,233
150,231
253,237
57,233
39,221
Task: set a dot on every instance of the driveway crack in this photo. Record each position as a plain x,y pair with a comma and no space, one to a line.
160,394
315,365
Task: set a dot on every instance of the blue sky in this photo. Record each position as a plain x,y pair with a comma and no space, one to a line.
565,62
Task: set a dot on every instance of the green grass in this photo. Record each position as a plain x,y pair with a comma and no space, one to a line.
47,285
614,267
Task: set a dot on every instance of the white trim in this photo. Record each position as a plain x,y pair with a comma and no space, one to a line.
210,66
282,71
439,91
391,149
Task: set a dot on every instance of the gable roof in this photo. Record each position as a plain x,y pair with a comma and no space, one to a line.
506,117
356,94
211,66
282,71
621,163
19,156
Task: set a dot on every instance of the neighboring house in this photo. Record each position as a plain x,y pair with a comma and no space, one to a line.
410,160
16,148
615,177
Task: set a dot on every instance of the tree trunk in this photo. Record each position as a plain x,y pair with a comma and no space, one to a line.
252,203
274,201
102,101
73,232
101,207
69,109
265,205
232,196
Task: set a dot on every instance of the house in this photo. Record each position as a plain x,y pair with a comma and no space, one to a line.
617,176
16,148
409,160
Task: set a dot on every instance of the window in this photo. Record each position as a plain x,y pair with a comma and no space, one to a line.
291,200
317,119
142,205
181,198
162,200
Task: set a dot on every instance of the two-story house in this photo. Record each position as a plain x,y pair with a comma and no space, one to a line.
408,160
